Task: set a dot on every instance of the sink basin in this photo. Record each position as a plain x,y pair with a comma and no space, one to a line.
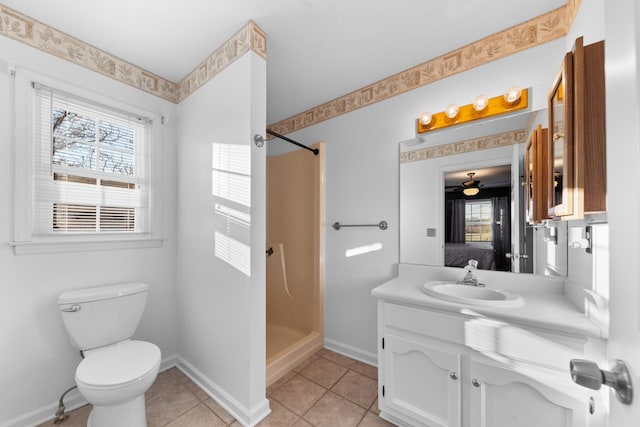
463,294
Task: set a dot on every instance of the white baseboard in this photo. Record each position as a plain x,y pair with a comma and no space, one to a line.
72,401
246,416
352,352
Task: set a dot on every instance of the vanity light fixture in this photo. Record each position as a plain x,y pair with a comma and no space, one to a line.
451,111
425,118
513,99
480,103
513,94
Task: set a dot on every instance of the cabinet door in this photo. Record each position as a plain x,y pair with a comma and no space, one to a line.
536,179
421,382
560,140
501,397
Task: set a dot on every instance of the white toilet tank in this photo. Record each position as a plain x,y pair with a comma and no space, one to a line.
95,317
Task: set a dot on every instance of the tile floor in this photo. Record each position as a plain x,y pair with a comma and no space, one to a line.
327,389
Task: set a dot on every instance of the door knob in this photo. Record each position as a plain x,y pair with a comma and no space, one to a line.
587,374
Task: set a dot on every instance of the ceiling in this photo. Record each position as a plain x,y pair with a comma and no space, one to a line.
317,50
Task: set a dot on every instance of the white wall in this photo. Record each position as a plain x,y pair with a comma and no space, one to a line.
38,362
362,182
222,310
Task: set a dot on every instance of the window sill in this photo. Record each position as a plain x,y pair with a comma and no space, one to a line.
58,246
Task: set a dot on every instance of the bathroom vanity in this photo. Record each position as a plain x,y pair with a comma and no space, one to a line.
444,363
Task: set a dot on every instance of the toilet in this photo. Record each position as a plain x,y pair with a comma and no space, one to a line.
115,371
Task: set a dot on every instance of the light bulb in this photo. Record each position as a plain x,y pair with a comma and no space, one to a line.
512,94
480,103
425,118
451,111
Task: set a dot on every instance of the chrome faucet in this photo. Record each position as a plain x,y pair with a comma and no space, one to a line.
470,277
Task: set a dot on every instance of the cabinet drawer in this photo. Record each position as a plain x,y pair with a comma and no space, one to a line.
429,323
493,337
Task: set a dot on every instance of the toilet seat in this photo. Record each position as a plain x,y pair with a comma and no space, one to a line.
118,365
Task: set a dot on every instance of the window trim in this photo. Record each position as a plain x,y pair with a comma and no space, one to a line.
24,241
489,222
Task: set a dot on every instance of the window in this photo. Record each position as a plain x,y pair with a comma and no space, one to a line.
89,168
478,221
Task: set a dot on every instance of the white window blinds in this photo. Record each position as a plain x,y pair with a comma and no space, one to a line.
91,171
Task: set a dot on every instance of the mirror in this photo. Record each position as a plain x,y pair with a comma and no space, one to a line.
434,171
561,155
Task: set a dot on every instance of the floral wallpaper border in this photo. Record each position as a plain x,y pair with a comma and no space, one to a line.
537,31
250,37
24,29
459,147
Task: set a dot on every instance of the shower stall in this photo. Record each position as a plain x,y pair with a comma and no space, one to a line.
295,248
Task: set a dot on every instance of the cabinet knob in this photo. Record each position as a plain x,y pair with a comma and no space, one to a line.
475,382
453,375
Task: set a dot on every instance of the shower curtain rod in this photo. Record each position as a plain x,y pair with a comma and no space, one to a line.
315,151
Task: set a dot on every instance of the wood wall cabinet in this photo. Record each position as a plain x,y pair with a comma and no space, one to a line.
577,140
536,185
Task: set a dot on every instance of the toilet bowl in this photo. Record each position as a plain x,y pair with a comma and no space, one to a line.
116,371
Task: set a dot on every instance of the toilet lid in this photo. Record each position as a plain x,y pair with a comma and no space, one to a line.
118,364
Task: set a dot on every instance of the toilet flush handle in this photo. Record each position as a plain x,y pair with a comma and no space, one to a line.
72,309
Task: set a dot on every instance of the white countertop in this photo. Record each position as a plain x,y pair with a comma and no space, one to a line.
545,308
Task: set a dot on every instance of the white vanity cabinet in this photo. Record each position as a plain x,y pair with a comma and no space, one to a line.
501,396
440,369
420,381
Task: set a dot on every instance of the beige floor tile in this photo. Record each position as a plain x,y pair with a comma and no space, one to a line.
168,406
219,411
372,420
302,423
324,372
374,407
200,416
235,424
177,374
309,360
199,393
299,394
340,359
365,369
164,383
357,388
282,381
76,418
279,416
334,411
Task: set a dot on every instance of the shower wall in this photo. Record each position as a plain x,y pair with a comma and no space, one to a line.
294,274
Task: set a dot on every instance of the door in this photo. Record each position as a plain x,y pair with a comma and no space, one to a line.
421,382
622,39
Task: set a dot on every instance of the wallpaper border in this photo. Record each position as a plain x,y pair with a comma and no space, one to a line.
539,30
459,147
24,29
